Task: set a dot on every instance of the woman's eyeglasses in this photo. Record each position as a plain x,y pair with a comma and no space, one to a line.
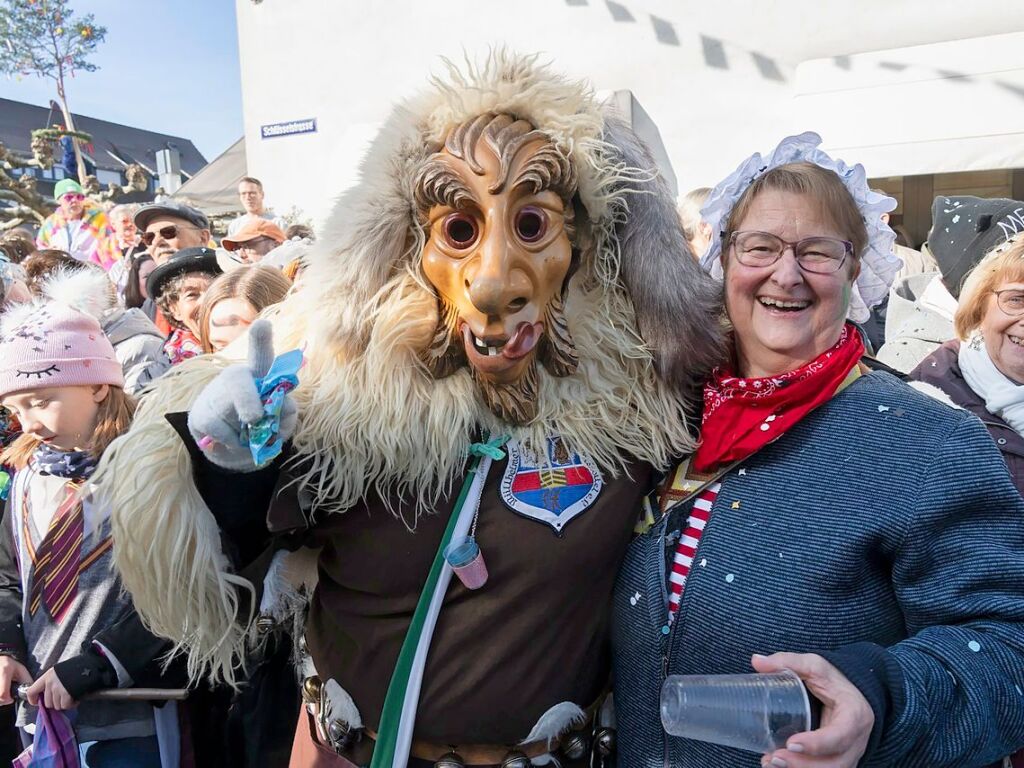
167,233
822,255
1010,300
73,197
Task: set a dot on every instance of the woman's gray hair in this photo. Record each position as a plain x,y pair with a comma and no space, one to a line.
126,209
689,210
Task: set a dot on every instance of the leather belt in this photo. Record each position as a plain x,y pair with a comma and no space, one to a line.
348,742
475,754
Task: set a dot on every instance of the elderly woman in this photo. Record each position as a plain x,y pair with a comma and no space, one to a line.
833,521
985,373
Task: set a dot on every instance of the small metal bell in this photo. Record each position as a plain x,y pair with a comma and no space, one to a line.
342,735
451,760
606,741
575,745
311,687
265,624
516,759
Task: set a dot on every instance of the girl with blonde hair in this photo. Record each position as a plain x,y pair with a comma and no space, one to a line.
234,300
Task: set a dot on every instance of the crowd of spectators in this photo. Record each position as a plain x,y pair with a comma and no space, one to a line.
156,282
160,259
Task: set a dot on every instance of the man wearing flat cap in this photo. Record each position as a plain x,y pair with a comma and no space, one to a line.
169,227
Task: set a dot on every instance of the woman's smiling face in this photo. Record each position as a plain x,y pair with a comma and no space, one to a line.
784,316
1004,333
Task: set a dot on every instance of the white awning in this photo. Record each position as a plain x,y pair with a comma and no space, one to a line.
214,189
939,108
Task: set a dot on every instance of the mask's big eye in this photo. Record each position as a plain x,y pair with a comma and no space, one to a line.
459,231
531,224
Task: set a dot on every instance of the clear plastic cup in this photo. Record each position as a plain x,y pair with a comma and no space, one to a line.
467,562
755,712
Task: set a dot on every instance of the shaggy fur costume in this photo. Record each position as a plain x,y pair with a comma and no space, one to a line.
371,417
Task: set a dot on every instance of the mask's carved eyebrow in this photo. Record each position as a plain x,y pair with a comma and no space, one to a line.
438,184
545,169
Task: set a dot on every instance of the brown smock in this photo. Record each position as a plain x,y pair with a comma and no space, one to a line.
534,635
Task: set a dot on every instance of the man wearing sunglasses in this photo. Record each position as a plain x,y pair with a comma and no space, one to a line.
168,227
79,227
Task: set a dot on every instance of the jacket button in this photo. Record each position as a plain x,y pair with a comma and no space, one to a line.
1001,441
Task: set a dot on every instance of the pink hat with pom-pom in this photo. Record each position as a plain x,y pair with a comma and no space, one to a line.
52,345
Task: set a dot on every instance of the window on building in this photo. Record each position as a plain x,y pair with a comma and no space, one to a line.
106,177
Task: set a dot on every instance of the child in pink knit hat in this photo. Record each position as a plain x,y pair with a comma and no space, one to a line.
66,627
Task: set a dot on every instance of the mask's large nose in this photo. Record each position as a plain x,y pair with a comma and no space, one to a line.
495,288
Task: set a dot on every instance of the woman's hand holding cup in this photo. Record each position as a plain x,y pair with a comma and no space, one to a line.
846,716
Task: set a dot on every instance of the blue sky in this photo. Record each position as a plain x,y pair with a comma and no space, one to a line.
165,65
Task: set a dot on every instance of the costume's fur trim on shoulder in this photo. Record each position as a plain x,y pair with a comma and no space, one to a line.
678,305
167,546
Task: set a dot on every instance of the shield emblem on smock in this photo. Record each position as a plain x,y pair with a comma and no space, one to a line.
552,489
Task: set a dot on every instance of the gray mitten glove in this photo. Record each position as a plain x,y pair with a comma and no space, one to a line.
231,401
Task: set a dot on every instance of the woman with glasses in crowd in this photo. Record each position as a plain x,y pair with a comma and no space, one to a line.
983,370
79,227
833,521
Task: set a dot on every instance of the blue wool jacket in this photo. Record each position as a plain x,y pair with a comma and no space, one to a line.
882,532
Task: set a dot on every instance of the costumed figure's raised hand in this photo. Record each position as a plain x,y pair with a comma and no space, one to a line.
231,407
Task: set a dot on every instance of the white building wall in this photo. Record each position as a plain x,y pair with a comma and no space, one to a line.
716,77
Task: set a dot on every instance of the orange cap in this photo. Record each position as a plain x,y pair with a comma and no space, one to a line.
250,231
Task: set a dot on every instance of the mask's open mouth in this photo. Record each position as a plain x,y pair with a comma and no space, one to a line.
495,355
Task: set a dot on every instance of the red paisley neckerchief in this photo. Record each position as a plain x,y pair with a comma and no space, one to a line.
743,415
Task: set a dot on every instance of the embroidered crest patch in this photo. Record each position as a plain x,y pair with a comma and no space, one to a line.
551,490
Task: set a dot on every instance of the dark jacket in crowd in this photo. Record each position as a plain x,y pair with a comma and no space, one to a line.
942,369
882,532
